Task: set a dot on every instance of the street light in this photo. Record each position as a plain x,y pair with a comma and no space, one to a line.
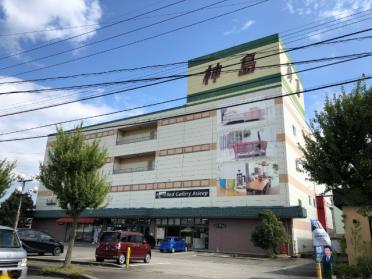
19,190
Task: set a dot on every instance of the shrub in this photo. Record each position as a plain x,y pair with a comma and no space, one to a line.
362,270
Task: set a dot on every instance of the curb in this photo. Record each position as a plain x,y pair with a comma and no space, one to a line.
75,262
233,256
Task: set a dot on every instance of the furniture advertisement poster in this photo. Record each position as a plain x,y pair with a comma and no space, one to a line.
247,163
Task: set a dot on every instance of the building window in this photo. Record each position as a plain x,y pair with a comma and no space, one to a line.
370,225
136,134
310,200
134,163
314,202
298,88
248,65
289,73
294,130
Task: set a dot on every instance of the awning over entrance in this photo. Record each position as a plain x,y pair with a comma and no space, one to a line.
237,212
80,220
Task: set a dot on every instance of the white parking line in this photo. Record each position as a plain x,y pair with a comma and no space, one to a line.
146,264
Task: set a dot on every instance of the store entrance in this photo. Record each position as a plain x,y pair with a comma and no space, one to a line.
193,230
173,231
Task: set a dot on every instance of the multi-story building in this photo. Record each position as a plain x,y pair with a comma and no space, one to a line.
204,170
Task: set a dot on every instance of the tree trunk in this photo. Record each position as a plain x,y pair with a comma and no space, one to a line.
71,242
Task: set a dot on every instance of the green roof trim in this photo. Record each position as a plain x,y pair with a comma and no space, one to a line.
237,87
234,50
238,212
255,90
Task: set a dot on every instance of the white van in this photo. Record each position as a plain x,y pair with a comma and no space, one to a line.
13,258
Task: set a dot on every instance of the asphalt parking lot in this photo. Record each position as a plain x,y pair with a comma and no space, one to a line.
185,265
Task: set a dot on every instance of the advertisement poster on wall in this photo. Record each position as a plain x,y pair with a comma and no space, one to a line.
247,159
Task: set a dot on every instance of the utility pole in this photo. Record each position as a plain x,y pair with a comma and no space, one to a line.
19,190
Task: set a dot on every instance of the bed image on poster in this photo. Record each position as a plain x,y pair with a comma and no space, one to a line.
247,159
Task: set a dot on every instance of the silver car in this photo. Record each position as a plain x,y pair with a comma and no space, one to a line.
13,258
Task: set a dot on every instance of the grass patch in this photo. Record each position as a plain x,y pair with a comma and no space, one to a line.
69,272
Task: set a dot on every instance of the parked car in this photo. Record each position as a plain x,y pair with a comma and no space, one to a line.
40,242
114,245
13,258
173,244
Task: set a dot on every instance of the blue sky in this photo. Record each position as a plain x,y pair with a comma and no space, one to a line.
274,16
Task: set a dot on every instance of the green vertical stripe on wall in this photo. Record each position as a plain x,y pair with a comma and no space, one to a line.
294,99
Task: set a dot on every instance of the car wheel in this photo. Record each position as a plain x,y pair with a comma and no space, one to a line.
57,251
173,250
147,258
161,250
185,249
121,259
41,254
99,260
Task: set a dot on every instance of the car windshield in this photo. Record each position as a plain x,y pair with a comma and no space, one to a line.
167,239
110,237
9,239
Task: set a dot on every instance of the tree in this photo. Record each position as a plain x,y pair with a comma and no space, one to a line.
72,172
338,152
270,234
8,210
6,175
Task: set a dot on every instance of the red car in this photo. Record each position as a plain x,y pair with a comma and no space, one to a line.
114,245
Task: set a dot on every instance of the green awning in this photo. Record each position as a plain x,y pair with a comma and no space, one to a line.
238,212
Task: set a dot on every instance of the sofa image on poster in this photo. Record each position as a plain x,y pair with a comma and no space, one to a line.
249,177
245,143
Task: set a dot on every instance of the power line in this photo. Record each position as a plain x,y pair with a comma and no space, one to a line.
89,91
295,28
139,68
97,24
177,99
137,41
208,110
96,73
110,83
91,31
173,79
111,37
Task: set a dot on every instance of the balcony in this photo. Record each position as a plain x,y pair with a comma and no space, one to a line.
134,163
136,134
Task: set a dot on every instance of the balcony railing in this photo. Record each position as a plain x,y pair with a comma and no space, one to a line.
133,140
129,170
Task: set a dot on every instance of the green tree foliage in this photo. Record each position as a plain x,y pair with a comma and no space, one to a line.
8,210
338,153
270,234
73,173
6,175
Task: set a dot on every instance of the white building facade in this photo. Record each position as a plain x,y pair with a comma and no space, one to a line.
204,171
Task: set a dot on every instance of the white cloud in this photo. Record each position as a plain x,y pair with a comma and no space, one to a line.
330,9
237,29
248,24
327,8
20,16
29,153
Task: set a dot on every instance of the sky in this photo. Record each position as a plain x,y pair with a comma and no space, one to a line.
27,26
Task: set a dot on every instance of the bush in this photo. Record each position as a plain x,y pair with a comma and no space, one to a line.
270,234
362,270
